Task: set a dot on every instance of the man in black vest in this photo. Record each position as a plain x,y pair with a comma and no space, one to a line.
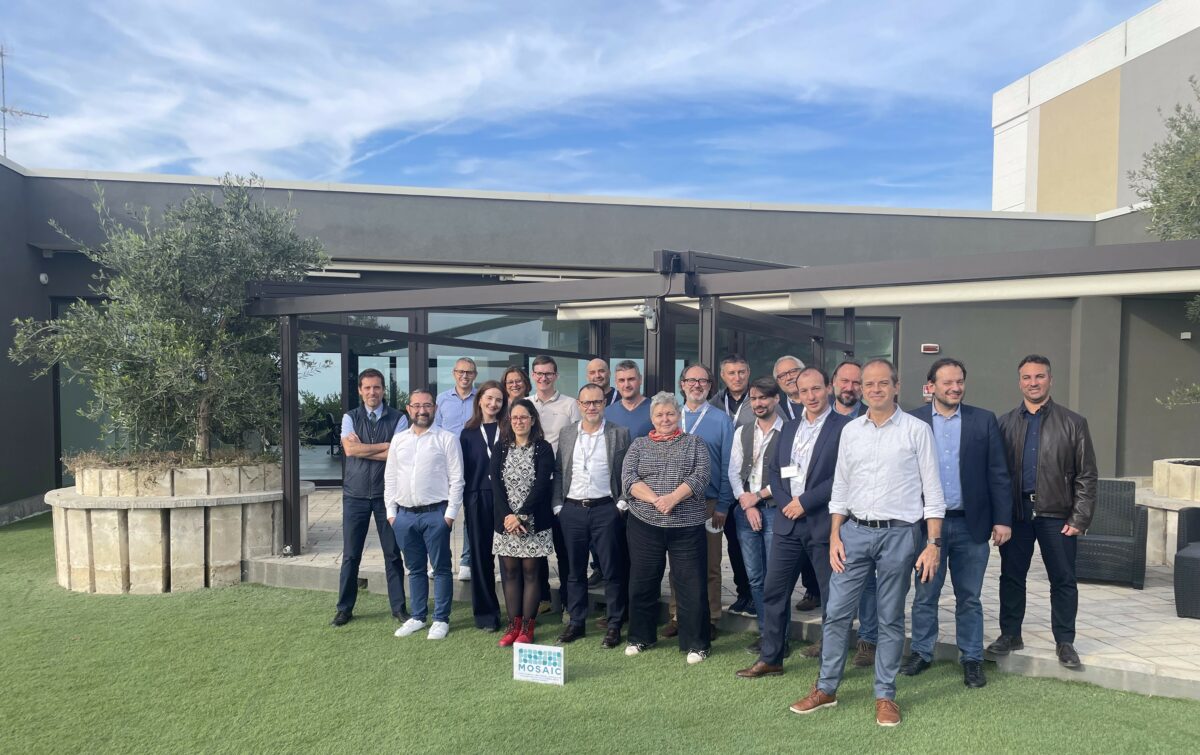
366,436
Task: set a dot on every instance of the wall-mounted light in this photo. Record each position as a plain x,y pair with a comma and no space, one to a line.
43,279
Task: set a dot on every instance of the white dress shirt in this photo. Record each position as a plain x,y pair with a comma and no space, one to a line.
736,458
883,472
424,469
555,413
589,467
803,445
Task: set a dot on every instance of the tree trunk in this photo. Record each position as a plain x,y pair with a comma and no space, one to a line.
203,431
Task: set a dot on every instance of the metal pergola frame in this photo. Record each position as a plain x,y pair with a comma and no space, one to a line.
705,277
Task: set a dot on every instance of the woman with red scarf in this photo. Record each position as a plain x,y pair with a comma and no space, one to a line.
664,477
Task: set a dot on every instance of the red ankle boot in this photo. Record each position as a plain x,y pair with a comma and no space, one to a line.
526,634
514,629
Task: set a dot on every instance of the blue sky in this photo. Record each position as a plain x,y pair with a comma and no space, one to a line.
869,103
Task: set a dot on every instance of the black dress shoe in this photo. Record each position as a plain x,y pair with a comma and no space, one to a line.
1067,655
341,619
571,633
1005,644
808,603
754,648
596,579
914,665
973,674
401,616
612,638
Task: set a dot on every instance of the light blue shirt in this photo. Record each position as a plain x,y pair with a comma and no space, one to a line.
348,424
716,430
453,411
947,439
636,421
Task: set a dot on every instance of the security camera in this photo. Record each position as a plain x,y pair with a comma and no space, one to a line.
648,315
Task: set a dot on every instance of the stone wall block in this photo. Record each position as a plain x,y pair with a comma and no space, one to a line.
87,482
252,478
62,558
272,477
223,480
224,545
257,533
189,482
276,527
1162,475
1156,547
127,482
110,550
155,482
304,521
148,568
187,549
110,483
79,542
1182,481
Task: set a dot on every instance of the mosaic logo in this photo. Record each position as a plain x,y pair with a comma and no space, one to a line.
544,664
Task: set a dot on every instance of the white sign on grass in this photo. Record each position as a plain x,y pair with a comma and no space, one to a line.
544,664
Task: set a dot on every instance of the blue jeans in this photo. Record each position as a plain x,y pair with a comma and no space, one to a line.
756,551
425,538
890,553
968,561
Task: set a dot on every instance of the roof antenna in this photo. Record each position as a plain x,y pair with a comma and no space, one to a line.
5,110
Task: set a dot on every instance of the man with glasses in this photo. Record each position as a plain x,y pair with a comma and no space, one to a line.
454,407
423,492
732,399
556,411
367,433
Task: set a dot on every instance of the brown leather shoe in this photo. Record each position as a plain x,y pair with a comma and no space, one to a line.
812,651
887,713
670,629
760,669
815,701
864,655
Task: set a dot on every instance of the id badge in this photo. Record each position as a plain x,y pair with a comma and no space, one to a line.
789,472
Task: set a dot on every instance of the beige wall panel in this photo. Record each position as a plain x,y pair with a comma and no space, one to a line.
1077,151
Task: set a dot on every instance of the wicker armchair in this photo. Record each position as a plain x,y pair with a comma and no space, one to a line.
1187,565
1114,548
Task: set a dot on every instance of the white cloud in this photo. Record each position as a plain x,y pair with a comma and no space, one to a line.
299,89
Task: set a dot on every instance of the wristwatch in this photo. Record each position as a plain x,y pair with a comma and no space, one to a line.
934,541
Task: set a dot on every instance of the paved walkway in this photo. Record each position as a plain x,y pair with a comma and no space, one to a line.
1128,639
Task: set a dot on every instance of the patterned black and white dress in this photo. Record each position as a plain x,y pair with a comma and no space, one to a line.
517,477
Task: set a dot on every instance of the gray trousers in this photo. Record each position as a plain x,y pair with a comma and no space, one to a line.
891,553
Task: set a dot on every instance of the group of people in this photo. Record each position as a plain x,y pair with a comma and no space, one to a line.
798,477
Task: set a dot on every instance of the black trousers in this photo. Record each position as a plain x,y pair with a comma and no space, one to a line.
480,528
741,581
599,530
357,514
1058,553
649,548
810,578
564,567
789,553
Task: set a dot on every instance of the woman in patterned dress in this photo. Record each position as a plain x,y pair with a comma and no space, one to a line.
522,476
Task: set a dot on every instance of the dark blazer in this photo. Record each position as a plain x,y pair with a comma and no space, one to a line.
983,470
537,503
818,482
616,443
476,463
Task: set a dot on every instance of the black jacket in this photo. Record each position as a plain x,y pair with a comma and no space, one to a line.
537,503
1066,469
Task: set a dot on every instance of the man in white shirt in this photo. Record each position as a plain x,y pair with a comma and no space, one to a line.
555,411
754,507
587,489
423,492
886,481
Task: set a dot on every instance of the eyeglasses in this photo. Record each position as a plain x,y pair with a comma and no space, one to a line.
517,383
592,404
543,375
461,373
695,381
788,374
420,406
519,418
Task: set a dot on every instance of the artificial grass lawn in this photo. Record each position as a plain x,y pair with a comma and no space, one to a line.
250,668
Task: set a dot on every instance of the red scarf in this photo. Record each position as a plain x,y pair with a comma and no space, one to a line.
659,438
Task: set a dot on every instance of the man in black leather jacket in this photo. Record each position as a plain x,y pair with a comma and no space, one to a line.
1053,469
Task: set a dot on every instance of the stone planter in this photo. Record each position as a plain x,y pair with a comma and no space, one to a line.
1175,486
153,531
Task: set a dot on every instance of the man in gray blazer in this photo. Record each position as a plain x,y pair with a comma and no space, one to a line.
587,489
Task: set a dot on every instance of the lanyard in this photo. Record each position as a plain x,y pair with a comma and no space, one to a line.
594,443
486,443
766,441
683,420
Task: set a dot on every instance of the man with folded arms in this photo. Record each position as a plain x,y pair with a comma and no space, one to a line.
423,490
587,489
886,481
975,483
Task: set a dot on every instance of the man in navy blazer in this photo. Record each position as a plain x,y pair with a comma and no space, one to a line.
975,481
801,475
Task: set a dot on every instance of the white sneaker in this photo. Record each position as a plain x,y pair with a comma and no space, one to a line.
438,630
464,574
410,626
634,648
696,656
